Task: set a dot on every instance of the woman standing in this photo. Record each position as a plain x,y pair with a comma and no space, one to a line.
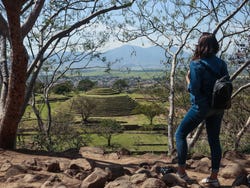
200,85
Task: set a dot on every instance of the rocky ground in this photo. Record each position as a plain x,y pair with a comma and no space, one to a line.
92,168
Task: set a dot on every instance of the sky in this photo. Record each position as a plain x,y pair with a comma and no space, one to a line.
143,42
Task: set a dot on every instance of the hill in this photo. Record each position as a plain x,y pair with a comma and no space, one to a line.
110,103
123,57
136,58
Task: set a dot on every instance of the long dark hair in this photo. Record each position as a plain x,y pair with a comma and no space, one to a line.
207,46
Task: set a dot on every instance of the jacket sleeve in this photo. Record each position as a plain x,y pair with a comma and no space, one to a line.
195,78
224,69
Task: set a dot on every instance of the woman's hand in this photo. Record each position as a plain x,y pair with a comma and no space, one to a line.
188,77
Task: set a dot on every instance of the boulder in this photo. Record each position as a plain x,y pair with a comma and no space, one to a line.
52,166
153,182
121,182
115,171
232,171
96,179
171,179
15,170
203,165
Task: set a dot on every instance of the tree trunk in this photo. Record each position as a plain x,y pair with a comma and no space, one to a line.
151,120
196,135
15,97
171,108
109,141
241,133
4,73
37,114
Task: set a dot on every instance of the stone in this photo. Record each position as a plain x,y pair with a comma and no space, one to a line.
197,156
32,164
138,178
82,163
29,178
96,179
52,181
15,170
114,171
232,171
153,182
240,180
171,179
203,165
52,166
144,171
5,166
120,183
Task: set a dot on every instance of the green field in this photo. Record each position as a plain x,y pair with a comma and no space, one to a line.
143,142
144,74
137,137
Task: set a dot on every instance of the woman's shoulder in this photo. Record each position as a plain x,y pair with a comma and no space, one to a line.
196,66
219,60
195,63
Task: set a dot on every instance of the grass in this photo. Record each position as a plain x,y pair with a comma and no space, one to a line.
112,106
139,119
144,74
134,142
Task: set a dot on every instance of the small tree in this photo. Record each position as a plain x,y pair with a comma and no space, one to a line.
83,106
57,139
120,85
108,128
63,88
150,111
38,87
65,134
85,85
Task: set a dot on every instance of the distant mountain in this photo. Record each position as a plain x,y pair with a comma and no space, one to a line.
132,57
135,57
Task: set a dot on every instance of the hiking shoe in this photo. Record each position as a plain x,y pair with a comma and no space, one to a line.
165,170
210,182
185,177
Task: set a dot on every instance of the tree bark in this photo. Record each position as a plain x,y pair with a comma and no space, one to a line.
19,59
171,107
4,73
241,133
196,135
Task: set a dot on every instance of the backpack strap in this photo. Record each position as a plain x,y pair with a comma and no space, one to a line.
209,69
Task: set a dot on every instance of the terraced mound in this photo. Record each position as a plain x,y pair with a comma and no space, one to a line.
102,91
116,105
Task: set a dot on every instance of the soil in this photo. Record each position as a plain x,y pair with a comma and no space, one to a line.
17,157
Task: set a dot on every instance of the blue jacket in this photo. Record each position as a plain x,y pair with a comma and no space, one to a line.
202,81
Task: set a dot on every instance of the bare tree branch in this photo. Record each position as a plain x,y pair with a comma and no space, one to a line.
241,133
4,30
240,89
27,6
230,16
65,33
28,24
236,73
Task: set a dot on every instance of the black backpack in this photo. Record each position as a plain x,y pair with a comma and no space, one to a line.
222,90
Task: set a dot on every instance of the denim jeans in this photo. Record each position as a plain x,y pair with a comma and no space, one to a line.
192,119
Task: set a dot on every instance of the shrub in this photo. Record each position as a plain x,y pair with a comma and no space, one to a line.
85,85
63,88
